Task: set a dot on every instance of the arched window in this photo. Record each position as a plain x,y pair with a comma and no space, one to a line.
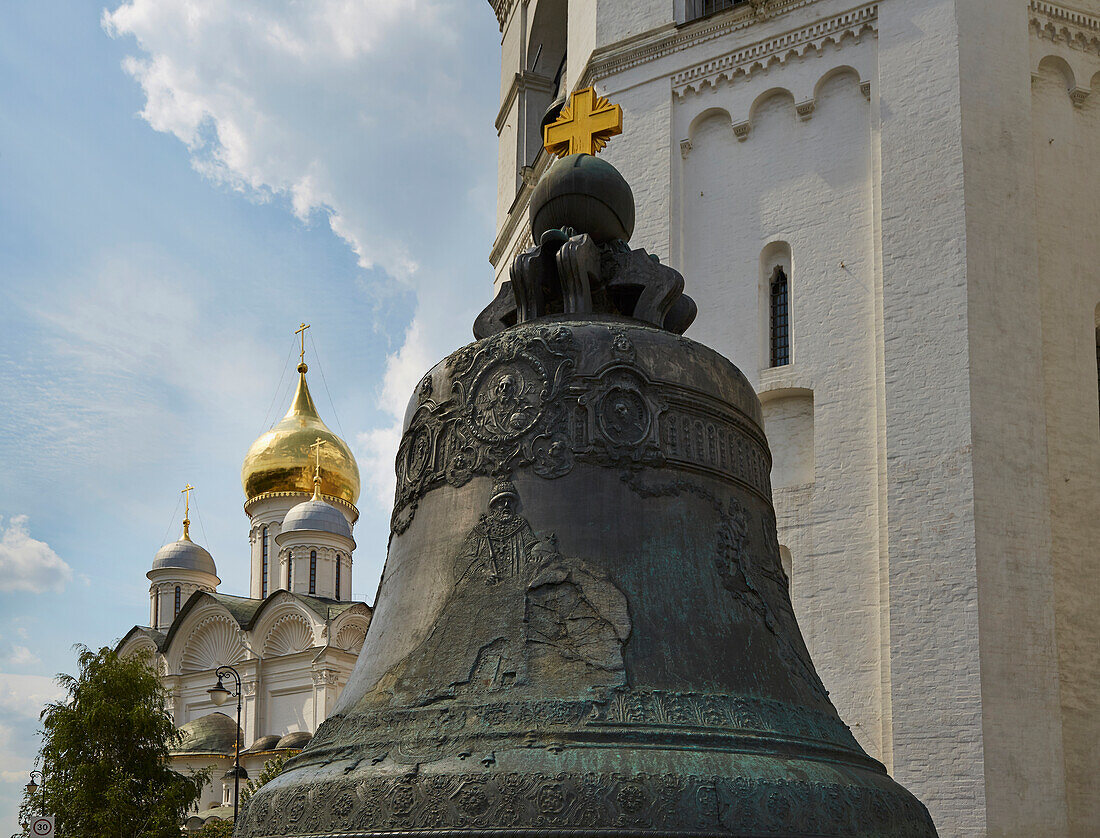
337,576
263,584
156,608
289,570
178,592
313,571
780,319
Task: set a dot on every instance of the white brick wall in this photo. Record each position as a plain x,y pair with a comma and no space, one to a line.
939,191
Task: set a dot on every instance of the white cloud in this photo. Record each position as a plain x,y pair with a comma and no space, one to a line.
367,114
22,656
24,696
27,564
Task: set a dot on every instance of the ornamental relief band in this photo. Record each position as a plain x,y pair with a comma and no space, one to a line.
518,400
446,731
615,803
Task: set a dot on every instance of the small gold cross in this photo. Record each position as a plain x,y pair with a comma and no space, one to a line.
187,490
301,330
584,126
316,449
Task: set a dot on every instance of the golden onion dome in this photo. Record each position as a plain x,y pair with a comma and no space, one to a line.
282,460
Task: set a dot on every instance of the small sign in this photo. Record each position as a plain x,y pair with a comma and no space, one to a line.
42,826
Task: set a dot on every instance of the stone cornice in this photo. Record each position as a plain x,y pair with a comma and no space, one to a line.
1064,25
672,38
1065,14
502,9
796,43
337,502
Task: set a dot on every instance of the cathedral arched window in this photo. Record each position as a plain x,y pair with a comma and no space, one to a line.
263,584
337,576
313,571
780,325
178,593
156,609
289,570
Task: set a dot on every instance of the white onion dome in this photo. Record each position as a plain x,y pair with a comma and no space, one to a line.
315,515
184,554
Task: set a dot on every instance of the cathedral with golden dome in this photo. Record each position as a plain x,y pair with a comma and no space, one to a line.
293,640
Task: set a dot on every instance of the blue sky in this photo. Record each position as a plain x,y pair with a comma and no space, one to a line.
180,185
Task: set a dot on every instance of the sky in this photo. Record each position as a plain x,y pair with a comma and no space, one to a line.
182,184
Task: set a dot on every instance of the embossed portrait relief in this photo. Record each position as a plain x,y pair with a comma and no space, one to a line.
520,615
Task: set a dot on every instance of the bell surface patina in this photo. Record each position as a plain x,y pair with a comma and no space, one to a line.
583,627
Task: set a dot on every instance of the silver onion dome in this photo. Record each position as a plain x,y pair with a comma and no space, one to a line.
315,515
185,554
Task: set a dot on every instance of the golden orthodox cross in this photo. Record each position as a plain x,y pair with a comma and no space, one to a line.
187,490
316,449
301,331
584,126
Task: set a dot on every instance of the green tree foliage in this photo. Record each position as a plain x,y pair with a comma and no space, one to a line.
104,756
272,769
215,828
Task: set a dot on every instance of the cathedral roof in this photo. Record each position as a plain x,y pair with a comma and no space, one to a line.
265,743
158,637
247,611
298,739
281,460
215,733
315,515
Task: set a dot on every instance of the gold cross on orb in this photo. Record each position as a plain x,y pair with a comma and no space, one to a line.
187,490
316,449
301,330
584,126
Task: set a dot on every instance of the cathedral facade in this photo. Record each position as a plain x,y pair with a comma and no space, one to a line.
886,212
293,640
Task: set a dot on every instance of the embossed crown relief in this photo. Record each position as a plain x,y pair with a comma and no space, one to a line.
517,400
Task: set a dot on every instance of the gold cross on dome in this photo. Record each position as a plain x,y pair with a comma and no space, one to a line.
584,126
187,490
316,449
301,330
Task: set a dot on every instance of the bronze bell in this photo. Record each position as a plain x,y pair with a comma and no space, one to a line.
583,627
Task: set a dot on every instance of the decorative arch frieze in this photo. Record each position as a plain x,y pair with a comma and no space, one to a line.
1063,25
289,634
803,108
1070,43
142,646
810,41
215,640
351,635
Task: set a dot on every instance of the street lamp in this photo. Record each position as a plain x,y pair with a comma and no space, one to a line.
219,695
32,786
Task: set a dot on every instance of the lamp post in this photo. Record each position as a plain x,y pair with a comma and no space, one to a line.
219,695
32,787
